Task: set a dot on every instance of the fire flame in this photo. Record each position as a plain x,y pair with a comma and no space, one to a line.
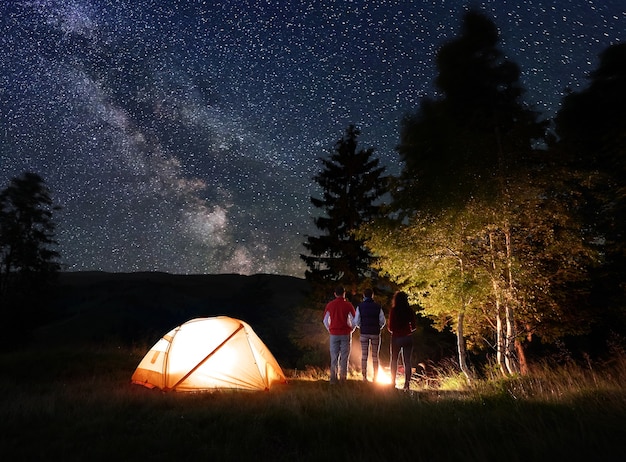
384,377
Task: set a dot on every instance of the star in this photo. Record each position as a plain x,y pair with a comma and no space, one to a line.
182,136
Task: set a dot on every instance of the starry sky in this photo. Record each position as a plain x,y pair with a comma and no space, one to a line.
182,136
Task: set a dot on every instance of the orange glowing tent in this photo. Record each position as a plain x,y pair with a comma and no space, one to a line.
209,354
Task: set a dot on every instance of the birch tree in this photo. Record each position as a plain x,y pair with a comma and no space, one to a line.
428,258
471,155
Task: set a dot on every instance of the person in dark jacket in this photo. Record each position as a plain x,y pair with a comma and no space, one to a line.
370,319
402,324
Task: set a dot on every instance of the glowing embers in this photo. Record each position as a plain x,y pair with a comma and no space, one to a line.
384,377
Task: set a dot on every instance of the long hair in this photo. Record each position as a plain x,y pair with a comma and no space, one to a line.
400,307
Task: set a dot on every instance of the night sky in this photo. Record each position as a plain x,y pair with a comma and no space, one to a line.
182,136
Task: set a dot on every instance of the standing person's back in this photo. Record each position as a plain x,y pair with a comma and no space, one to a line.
370,319
338,320
338,316
402,324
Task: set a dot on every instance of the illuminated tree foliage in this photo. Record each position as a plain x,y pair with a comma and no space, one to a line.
428,259
28,261
352,184
486,242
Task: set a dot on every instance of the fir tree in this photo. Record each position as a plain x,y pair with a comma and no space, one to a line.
352,184
28,260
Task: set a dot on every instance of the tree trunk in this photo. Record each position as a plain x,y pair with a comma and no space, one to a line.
511,334
509,342
521,356
460,342
500,334
500,340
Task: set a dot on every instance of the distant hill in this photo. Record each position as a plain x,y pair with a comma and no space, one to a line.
138,308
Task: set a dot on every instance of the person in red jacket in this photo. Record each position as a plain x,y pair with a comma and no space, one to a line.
338,320
402,323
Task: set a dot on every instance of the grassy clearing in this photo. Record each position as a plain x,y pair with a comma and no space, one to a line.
78,404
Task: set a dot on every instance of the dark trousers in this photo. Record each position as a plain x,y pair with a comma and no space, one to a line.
404,345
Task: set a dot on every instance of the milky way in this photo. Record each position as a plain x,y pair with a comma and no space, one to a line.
182,136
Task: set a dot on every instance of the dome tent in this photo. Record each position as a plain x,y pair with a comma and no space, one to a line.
209,354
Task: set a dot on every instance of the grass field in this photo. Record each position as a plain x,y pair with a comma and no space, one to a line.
77,404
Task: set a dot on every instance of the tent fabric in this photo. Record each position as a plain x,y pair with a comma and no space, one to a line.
209,354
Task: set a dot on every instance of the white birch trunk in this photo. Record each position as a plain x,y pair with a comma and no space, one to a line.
509,346
500,334
460,341
500,339
511,334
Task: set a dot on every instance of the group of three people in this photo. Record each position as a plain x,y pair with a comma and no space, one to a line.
341,319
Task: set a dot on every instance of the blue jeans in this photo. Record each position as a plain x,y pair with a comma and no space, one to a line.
339,354
404,344
366,339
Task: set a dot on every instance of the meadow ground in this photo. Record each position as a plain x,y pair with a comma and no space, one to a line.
77,404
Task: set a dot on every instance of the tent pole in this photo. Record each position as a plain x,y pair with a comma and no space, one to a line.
206,357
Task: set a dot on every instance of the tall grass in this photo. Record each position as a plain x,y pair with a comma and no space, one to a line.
561,384
78,404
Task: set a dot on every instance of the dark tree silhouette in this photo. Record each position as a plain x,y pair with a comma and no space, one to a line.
474,176
591,132
28,261
462,144
352,183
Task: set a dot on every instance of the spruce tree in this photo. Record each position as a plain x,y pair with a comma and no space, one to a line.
28,259
352,184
